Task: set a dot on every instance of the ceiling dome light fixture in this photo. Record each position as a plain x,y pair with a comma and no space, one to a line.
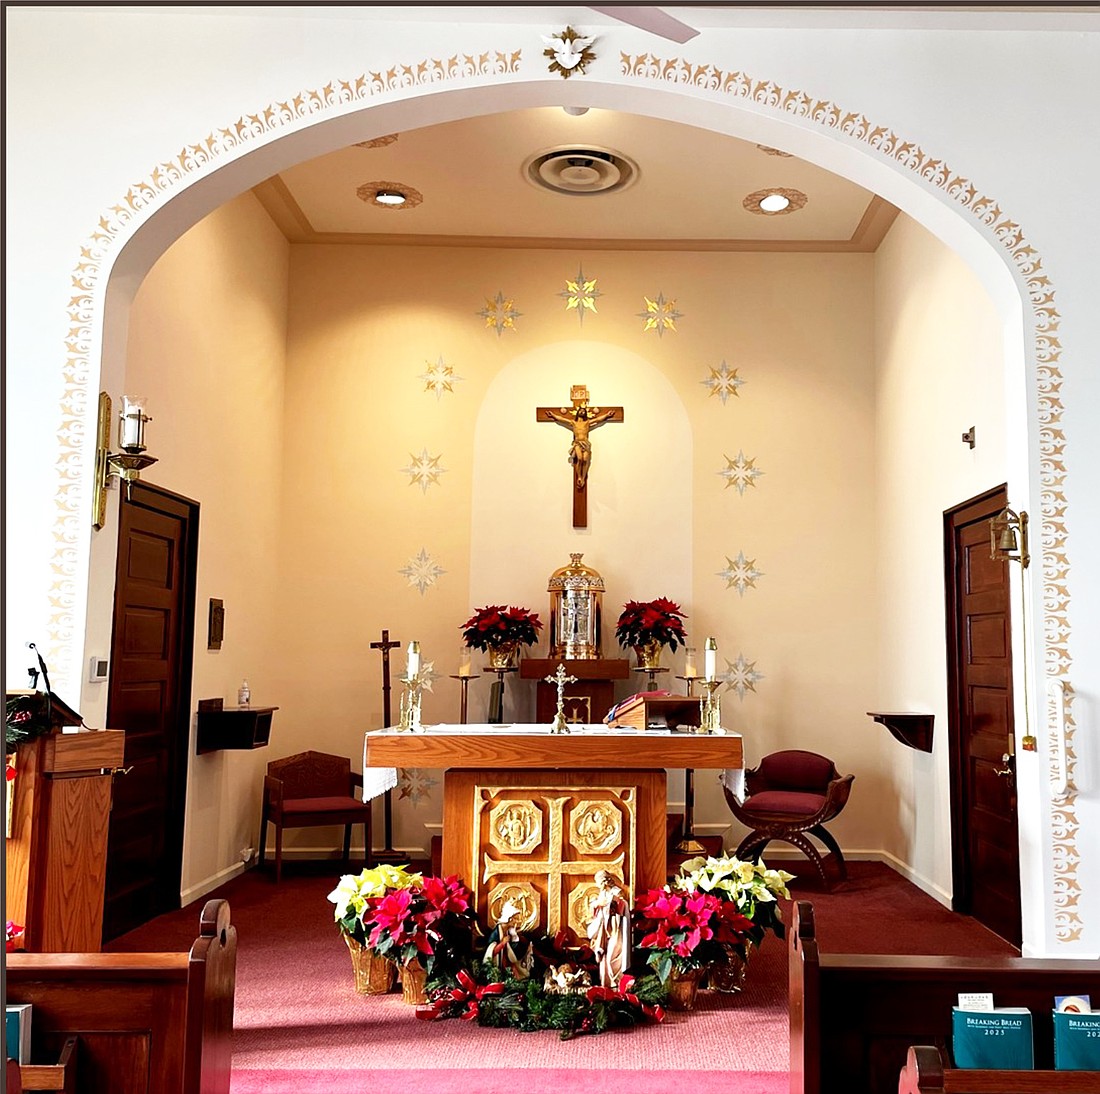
389,195
775,201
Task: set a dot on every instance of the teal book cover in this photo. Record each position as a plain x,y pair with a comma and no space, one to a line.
1076,1041
999,1039
17,1031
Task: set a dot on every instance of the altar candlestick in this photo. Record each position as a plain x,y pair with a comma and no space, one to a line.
710,659
464,657
412,661
690,671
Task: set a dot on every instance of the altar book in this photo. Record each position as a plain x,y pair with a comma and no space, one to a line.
1077,1041
656,710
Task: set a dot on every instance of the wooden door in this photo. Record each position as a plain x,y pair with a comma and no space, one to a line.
985,842
149,698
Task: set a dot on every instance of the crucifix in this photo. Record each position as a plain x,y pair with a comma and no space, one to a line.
387,854
561,679
580,419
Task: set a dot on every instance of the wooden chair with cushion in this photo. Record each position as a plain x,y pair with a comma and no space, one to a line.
309,790
792,795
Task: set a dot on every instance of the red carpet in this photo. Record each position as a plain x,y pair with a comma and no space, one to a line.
300,1027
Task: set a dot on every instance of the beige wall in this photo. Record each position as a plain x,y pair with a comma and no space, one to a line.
939,371
365,323
207,347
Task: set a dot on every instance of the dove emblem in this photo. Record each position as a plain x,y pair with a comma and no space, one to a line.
569,51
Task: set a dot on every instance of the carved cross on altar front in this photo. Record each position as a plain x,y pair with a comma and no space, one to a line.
580,419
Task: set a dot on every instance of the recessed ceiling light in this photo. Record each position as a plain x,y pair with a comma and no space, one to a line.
575,111
775,201
389,195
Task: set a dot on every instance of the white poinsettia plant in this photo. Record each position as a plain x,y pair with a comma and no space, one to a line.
754,888
354,890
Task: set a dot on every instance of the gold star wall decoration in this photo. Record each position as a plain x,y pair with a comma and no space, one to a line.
740,472
439,378
659,315
500,314
580,294
424,470
723,382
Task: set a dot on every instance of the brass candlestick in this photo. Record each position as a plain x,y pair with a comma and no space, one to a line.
560,725
410,704
464,681
711,718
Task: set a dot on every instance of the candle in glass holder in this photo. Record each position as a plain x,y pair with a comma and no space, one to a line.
464,661
690,671
412,661
710,659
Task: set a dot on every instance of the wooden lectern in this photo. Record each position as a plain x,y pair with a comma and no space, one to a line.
57,852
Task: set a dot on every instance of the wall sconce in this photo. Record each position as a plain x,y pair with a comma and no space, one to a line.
1008,537
126,465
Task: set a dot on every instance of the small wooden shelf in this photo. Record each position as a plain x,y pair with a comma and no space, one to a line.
60,1076
914,730
232,727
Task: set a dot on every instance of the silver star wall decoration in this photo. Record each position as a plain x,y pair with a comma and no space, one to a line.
500,314
723,382
740,573
740,676
659,315
415,784
424,470
580,295
422,571
740,472
440,378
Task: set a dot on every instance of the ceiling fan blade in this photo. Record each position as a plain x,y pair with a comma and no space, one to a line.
652,19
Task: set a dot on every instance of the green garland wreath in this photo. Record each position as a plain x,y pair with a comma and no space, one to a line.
27,717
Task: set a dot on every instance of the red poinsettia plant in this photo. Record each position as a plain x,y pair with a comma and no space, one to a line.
431,921
645,621
498,625
687,930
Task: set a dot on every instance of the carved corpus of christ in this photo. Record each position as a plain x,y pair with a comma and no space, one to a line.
580,419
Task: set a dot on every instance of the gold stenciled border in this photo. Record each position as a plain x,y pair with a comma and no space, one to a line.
86,301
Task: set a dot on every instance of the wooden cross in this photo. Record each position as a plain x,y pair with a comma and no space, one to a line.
387,854
580,419
385,645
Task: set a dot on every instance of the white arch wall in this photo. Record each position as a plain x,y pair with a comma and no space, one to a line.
62,88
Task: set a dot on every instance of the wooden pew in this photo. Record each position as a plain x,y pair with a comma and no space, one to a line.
854,1016
146,1023
928,1071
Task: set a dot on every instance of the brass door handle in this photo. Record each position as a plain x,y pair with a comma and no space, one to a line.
1005,771
122,770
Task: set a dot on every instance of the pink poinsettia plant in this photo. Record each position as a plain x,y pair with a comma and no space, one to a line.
431,922
645,621
686,930
498,625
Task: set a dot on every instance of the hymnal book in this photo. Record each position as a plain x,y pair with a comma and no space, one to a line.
656,710
17,1029
1076,1041
1000,1039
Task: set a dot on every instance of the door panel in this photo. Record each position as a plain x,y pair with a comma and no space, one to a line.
149,698
985,840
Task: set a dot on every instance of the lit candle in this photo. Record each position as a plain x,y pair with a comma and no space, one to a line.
412,661
710,659
132,423
464,661
690,671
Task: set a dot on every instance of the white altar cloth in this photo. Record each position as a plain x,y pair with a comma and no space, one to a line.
377,780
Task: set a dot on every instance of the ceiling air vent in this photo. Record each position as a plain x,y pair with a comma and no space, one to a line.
580,171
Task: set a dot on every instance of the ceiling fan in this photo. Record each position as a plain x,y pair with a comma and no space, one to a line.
651,19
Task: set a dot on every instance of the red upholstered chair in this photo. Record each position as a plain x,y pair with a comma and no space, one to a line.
790,796
309,790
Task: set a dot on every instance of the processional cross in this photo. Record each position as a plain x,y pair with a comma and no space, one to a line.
580,419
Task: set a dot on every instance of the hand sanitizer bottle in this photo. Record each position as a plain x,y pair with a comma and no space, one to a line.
244,694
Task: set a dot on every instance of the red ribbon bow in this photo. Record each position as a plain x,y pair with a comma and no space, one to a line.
467,992
623,993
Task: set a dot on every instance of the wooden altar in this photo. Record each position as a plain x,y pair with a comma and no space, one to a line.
530,817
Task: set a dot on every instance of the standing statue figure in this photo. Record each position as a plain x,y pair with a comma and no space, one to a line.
609,930
581,419
506,949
